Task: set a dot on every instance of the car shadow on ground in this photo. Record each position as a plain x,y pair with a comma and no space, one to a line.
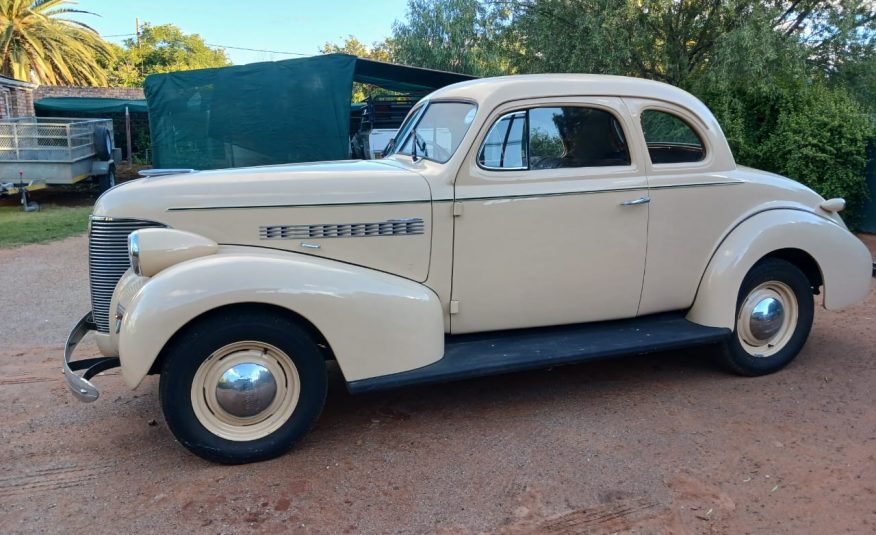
587,382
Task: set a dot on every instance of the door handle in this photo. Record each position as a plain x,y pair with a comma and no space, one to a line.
635,202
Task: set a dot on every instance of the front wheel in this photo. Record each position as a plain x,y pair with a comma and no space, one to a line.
242,387
774,314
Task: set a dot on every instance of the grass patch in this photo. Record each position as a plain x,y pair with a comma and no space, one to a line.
52,222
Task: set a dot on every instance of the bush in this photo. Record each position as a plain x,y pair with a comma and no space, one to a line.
821,139
810,132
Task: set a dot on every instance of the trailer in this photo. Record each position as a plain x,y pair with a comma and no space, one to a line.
56,151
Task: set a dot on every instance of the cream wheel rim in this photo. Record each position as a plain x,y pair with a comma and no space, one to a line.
767,319
245,391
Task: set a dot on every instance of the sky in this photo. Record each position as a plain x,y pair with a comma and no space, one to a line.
291,26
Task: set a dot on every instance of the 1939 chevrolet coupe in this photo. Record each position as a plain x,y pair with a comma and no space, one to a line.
514,223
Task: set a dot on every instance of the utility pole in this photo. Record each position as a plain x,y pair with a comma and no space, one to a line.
137,25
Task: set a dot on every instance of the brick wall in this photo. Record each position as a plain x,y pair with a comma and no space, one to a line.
15,102
128,93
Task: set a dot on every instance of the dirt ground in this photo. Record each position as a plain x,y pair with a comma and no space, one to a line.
664,443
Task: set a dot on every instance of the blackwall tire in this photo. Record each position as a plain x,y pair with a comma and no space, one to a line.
242,387
103,144
774,313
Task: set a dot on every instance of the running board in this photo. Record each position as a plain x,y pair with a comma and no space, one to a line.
479,354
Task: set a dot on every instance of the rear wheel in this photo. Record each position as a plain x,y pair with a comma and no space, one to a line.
242,387
774,314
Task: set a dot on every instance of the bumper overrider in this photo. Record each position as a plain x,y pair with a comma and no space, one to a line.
80,385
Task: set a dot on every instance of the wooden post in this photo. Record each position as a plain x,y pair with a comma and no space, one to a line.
15,140
128,136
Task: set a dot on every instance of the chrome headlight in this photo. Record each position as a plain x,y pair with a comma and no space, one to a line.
154,249
134,252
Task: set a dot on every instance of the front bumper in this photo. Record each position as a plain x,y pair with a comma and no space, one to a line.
81,387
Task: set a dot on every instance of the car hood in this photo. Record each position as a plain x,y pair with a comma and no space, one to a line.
292,185
309,208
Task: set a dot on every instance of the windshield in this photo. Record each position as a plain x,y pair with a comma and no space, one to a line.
437,129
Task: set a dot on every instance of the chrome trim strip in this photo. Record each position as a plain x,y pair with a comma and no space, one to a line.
152,173
378,203
391,227
699,185
593,192
314,205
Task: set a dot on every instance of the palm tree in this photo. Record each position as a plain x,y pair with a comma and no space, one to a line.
37,44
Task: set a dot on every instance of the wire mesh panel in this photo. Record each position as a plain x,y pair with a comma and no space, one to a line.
50,139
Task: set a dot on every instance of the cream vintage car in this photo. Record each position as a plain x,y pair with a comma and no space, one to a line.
516,223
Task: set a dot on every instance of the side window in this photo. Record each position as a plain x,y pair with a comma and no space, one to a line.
575,137
670,139
504,147
552,138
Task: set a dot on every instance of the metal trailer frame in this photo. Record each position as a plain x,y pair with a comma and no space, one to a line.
52,150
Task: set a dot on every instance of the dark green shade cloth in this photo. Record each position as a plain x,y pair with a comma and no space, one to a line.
296,110
86,105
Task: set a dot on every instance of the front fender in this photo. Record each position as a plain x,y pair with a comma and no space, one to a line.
375,323
844,262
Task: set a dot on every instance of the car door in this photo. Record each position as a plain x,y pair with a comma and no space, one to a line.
551,221
694,200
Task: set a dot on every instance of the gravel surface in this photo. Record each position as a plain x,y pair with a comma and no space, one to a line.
664,443
44,292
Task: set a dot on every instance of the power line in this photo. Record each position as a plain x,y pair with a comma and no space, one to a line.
259,50
227,46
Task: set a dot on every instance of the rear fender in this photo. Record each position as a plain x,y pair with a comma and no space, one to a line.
375,323
844,262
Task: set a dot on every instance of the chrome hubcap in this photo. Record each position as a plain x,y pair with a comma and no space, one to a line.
767,317
246,389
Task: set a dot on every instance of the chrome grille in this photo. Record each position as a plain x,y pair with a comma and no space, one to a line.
108,261
392,227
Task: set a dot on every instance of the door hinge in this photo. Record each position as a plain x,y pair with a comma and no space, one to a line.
457,209
454,307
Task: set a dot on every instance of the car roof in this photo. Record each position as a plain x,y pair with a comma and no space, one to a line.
493,91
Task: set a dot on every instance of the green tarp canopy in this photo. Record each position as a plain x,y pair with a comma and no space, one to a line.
87,106
296,110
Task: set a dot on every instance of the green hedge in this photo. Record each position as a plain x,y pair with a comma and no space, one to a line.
812,132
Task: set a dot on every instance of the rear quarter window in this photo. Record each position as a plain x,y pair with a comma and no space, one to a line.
670,139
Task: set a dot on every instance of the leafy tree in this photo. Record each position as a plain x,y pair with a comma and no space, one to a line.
860,78
355,47
676,41
163,48
452,35
39,45
782,76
